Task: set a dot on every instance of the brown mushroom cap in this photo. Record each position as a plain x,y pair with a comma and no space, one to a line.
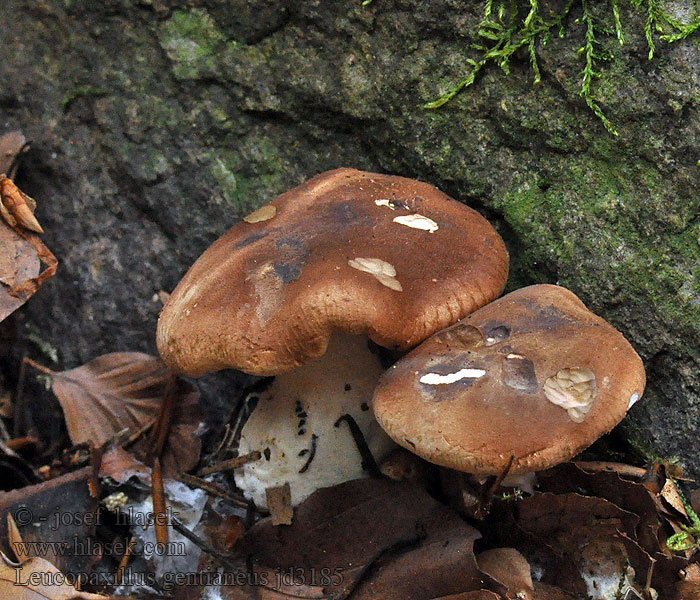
348,251
534,375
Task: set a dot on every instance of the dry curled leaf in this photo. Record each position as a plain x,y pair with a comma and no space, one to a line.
631,496
120,465
645,542
688,588
19,262
125,389
574,540
37,579
16,207
14,539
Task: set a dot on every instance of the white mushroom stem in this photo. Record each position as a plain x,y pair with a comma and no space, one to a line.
293,424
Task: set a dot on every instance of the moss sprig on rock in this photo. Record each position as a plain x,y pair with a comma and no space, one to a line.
514,24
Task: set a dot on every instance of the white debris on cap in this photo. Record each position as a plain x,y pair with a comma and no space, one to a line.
573,389
384,272
417,221
633,399
264,213
385,202
438,379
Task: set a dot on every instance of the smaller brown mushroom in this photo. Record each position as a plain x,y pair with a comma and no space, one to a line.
534,376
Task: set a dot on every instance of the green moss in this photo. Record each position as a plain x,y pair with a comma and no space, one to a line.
512,26
154,165
82,91
192,41
242,187
584,225
234,188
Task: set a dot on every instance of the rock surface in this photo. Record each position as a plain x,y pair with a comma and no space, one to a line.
156,127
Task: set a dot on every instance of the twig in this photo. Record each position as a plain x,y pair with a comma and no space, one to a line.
19,397
160,432
38,367
489,489
601,466
159,506
224,443
96,455
6,449
124,562
202,545
213,489
134,437
246,409
23,443
373,564
233,463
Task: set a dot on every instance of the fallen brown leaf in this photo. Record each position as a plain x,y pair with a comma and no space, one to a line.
549,592
688,588
37,579
564,535
125,389
120,465
46,512
631,496
645,543
21,251
671,495
19,262
14,539
509,567
442,564
347,528
223,533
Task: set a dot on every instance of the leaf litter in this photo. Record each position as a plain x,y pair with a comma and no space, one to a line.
581,534
124,390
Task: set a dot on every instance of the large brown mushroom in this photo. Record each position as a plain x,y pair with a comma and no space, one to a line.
534,376
347,253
